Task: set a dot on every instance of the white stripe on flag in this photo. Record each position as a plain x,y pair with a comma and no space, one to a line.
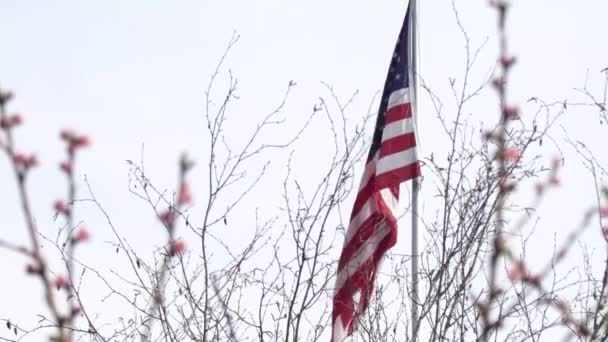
396,160
398,97
397,128
390,200
364,213
365,252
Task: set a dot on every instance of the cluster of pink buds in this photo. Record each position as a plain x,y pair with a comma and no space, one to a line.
510,113
510,154
61,208
34,269
168,218
25,161
61,282
10,122
507,61
74,141
66,167
178,247
519,272
82,235
184,196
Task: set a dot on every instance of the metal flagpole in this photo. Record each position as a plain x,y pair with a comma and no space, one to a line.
416,181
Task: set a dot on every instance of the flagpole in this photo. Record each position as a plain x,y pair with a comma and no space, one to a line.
416,181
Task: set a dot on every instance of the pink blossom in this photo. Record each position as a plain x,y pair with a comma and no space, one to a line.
507,62
33,269
540,188
554,180
66,167
510,113
20,158
60,207
82,141
178,247
66,134
604,211
511,154
61,282
168,217
488,135
82,235
498,83
534,280
26,161
32,161
556,163
517,272
185,196
75,142
16,119
506,185
11,121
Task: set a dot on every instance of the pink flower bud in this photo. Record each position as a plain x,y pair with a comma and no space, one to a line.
82,141
60,207
506,185
67,134
487,135
534,280
21,159
511,154
184,196
556,163
61,282
540,188
604,211
25,161
498,83
168,217
16,120
33,269
510,113
507,62
82,235
66,166
178,248
31,161
517,272
554,181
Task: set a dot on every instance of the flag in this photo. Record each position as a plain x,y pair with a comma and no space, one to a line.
372,229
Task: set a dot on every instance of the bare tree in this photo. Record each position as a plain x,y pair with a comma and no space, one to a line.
278,284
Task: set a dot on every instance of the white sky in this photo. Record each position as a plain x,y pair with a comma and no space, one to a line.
133,72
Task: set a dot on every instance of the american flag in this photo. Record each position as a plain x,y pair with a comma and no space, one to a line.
372,229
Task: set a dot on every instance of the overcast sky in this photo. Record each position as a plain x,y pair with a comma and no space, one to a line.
132,74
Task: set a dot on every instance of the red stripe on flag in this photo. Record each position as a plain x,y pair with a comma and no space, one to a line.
399,112
397,144
396,176
363,233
